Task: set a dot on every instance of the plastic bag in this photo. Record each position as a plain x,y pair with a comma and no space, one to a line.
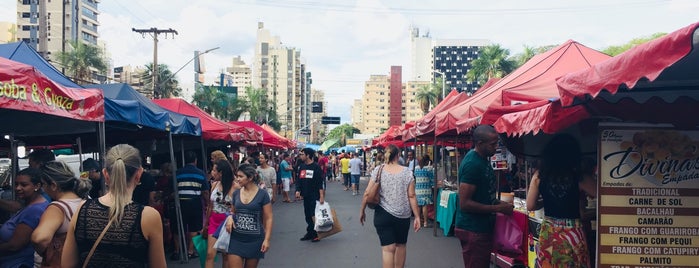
200,245
224,238
323,217
507,236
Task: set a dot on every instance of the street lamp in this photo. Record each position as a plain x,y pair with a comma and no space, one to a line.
444,78
185,65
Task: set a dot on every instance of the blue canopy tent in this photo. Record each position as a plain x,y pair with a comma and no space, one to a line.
21,52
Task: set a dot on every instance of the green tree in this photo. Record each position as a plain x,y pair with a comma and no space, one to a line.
80,60
168,86
426,97
219,104
616,50
492,62
342,132
437,88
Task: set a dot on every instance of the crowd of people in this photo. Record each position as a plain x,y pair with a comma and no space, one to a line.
63,220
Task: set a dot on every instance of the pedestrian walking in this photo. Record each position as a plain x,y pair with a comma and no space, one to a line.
424,183
193,190
221,203
392,214
344,169
309,185
355,167
250,224
285,169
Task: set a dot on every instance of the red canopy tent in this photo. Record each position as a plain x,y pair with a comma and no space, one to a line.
212,128
390,135
289,143
33,105
446,120
533,82
660,74
268,135
426,125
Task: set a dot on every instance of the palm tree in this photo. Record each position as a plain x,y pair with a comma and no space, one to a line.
81,60
426,97
168,86
526,55
219,104
437,89
492,62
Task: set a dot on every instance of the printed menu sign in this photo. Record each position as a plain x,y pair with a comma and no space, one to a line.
648,198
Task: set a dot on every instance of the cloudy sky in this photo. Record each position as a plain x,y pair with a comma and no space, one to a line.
344,42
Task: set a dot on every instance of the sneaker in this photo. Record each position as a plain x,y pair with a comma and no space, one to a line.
306,237
315,239
354,193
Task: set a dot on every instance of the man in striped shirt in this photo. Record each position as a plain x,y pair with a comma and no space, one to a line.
193,191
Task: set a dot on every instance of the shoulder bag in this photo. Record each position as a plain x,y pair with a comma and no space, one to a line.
97,242
372,195
52,255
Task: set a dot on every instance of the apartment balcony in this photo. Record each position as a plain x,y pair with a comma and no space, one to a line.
90,4
92,29
89,14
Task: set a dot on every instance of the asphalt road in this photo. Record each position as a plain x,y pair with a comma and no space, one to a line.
355,246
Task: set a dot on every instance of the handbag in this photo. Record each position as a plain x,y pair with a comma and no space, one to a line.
224,237
52,255
372,195
97,242
507,236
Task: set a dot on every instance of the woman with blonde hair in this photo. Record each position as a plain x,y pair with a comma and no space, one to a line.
392,214
68,192
128,234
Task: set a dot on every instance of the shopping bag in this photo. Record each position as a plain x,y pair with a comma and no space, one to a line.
507,236
200,245
224,237
323,220
337,227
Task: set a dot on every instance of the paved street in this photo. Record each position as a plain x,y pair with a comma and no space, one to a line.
355,246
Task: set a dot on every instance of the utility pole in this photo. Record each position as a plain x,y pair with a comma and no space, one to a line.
154,32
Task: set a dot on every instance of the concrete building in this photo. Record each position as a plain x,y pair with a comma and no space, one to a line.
132,76
240,75
411,107
432,58
47,25
375,104
8,32
356,114
318,130
281,72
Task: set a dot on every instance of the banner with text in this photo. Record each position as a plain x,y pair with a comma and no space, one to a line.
648,198
24,88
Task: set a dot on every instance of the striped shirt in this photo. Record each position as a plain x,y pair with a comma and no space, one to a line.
191,182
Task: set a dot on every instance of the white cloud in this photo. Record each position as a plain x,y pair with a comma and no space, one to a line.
344,42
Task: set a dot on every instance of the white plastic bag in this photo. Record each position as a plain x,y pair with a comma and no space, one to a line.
224,237
324,220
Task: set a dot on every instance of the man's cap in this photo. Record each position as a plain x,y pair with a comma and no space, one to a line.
91,164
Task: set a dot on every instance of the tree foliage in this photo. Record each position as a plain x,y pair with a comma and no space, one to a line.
493,62
81,60
342,132
168,86
616,50
219,104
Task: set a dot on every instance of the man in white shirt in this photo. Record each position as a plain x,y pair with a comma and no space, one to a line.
355,172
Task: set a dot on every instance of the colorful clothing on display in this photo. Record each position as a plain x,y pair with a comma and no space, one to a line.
562,244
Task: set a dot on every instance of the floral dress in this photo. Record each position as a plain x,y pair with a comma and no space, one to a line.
424,180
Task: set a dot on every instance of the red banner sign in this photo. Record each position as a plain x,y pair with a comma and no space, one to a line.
24,88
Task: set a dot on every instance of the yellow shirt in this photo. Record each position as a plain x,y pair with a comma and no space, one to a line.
345,165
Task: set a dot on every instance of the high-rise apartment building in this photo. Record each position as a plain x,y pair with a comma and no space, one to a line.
47,25
280,71
8,32
356,117
449,58
386,102
134,77
240,75
453,59
318,130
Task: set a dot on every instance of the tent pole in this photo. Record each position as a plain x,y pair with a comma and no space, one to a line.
178,208
15,164
102,143
435,190
203,156
182,151
78,141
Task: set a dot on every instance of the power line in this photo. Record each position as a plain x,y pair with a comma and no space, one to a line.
154,32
